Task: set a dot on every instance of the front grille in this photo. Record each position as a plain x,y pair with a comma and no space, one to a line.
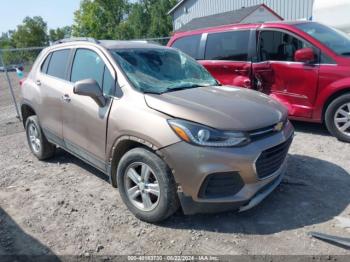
265,131
272,159
221,185
261,132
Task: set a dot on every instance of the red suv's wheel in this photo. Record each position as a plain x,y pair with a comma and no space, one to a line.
337,118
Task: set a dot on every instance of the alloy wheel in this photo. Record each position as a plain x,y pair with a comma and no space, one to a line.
342,119
142,187
34,138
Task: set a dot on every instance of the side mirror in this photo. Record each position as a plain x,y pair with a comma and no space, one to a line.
89,87
304,55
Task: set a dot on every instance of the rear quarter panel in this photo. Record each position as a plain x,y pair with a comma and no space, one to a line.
333,79
30,91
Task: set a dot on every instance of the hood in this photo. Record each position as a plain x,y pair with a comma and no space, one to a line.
225,108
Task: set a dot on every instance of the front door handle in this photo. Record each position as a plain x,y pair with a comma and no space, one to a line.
38,82
66,98
241,71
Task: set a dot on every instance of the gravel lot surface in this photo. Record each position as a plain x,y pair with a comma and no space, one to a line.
65,207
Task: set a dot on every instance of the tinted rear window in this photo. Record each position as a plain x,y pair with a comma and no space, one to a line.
228,46
58,63
45,65
188,45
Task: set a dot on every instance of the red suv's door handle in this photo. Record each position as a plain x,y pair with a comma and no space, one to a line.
241,71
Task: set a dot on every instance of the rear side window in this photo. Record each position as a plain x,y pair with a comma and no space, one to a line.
58,63
45,65
232,46
188,45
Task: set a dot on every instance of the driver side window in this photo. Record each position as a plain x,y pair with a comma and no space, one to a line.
279,46
89,65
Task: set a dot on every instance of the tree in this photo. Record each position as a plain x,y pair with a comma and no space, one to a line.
33,32
149,18
119,19
160,22
99,18
60,33
5,40
138,21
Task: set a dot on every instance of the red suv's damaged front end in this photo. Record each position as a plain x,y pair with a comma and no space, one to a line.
304,65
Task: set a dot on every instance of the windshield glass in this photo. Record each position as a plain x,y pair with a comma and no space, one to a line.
336,40
160,70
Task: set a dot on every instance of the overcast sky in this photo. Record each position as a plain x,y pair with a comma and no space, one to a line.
55,13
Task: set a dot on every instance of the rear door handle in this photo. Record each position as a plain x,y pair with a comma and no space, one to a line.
66,98
38,82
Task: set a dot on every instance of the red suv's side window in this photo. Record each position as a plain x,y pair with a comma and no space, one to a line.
231,46
279,46
189,45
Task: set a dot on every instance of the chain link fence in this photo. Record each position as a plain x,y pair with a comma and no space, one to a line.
15,65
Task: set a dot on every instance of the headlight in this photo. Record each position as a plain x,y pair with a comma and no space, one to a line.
205,136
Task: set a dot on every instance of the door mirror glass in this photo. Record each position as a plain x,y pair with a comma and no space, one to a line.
304,55
89,87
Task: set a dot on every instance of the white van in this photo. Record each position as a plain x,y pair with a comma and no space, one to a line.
334,13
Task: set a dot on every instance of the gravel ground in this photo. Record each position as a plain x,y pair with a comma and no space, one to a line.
65,207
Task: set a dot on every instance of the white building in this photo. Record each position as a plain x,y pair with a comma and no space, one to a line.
186,10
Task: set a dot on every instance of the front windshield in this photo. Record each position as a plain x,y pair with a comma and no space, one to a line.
160,70
336,40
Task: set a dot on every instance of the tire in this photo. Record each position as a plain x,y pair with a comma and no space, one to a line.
41,148
159,174
333,112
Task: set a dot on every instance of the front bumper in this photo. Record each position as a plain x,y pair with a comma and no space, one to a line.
191,165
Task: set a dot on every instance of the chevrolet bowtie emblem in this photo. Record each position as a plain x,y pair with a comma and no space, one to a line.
278,127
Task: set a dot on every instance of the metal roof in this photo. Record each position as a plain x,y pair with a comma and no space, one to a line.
227,18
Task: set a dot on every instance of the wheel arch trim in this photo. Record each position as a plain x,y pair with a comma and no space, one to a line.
124,144
334,95
26,103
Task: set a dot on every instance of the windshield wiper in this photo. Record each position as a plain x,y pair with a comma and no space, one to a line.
346,53
152,93
179,88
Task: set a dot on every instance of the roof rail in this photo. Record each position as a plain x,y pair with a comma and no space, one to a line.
73,39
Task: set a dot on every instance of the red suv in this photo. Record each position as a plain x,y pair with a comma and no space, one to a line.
304,65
